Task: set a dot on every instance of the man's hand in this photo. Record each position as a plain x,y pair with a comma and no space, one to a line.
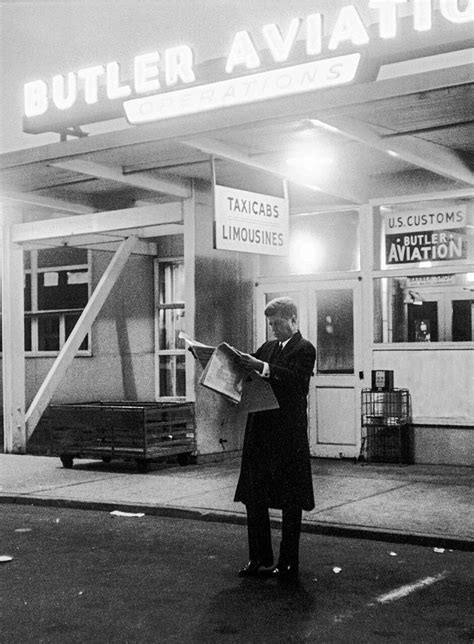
250,363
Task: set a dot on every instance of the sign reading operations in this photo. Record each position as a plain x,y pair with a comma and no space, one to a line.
250,222
246,89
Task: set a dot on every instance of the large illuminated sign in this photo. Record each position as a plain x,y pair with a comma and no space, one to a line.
245,89
163,73
177,66
250,222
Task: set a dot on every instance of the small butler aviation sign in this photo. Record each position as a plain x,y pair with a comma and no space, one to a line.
250,222
437,235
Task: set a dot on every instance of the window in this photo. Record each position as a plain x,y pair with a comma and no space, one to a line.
319,243
335,331
171,354
57,283
424,285
424,308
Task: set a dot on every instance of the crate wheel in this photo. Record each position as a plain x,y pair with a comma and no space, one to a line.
106,459
184,459
67,460
142,465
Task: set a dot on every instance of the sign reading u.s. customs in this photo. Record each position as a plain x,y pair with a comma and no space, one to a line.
250,222
431,235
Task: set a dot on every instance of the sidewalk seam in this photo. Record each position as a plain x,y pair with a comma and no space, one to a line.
63,487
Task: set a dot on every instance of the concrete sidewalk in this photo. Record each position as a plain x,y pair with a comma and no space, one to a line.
423,504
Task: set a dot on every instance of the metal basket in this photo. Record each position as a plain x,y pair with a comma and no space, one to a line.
386,433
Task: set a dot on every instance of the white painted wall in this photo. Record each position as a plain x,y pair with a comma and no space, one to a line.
440,381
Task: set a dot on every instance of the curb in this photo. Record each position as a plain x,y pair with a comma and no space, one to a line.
326,529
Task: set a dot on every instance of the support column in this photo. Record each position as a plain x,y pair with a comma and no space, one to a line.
189,218
366,235
13,350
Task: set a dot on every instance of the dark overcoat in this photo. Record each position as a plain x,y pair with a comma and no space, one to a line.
276,467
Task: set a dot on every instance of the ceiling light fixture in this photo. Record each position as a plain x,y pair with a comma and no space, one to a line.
324,126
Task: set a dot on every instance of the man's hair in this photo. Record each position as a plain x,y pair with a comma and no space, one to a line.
283,306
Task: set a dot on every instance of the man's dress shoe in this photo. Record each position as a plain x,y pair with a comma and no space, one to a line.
285,571
252,568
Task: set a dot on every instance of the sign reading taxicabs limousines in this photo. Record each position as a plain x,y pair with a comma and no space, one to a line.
250,222
437,235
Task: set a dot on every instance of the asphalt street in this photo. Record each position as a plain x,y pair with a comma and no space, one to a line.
87,576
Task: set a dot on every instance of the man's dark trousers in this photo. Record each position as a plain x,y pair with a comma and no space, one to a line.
260,539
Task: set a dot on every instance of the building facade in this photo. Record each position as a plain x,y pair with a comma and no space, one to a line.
326,156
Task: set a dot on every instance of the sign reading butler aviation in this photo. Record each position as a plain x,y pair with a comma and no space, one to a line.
306,53
250,222
431,235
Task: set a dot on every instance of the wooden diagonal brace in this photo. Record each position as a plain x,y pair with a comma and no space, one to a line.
81,329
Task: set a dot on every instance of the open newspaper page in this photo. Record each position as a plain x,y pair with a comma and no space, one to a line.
224,374
200,351
257,394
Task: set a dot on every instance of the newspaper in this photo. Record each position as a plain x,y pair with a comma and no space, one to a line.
224,375
200,351
257,394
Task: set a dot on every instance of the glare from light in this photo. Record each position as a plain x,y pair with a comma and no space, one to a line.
309,167
470,277
305,254
426,264
394,154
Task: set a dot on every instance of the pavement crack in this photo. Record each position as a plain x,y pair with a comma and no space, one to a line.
62,487
361,498
199,493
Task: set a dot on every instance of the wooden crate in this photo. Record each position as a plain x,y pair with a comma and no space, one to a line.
139,430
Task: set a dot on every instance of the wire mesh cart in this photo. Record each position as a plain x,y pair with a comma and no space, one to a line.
140,431
386,430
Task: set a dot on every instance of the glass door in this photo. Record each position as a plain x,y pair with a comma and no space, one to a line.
329,313
334,312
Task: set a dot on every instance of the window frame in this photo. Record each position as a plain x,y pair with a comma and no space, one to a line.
440,344
34,314
167,353
375,267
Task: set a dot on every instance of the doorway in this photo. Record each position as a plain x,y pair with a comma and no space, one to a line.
329,316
